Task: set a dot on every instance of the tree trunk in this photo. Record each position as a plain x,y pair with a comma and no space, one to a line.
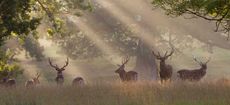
145,62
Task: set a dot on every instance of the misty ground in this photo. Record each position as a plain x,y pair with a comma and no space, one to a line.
100,69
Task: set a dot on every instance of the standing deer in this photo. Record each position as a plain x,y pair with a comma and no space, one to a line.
33,82
165,69
78,81
195,74
60,78
126,76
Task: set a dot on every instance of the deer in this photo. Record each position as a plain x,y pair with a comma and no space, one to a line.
78,81
33,82
59,78
195,74
166,70
124,75
8,82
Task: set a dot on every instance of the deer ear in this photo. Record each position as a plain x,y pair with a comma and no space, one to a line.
118,65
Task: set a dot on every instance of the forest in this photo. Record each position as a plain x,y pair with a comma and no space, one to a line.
114,52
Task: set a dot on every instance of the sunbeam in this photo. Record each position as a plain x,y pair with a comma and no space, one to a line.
93,35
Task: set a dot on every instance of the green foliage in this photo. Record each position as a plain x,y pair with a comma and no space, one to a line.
8,66
76,44
212,10
55,10
15,18
33,48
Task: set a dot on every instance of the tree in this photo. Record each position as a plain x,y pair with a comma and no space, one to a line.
211,10
15,19
20,18
8,66
77,45
33,48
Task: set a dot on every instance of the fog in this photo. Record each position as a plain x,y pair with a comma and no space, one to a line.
191,37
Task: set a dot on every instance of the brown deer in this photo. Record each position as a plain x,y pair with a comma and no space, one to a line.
8,82
195,74
33,82
60,78
126,76
166,70
78,81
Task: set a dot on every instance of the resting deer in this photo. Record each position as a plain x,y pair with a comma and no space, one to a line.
78,81
195,74
8,82
126,76
33,82
60,78
165,69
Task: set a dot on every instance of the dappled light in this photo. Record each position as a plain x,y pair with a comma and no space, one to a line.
114,52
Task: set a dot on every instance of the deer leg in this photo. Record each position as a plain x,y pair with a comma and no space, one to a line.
162,81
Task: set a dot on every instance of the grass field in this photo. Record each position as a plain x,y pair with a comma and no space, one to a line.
110,92
145,93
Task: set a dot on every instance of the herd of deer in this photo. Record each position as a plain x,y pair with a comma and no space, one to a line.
165,72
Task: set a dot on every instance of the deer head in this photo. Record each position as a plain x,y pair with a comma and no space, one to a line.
122,66
56,66
36,78
202,64
165,57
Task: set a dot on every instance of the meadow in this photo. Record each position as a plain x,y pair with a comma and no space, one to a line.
141,93
104,88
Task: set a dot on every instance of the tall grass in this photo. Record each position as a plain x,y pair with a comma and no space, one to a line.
147,93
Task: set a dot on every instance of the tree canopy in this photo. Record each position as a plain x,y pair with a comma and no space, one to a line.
19,20
212,10
15,19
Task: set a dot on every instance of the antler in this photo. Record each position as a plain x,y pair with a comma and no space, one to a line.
208,60
38,75
125,60
197,60
66,63
54,66
157,56
165,56
170,54
200,61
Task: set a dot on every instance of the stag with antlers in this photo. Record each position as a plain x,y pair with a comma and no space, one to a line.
126,76
195,74
60,78
166,70
33,82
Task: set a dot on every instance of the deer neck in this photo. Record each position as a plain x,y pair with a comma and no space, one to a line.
122,74
203,68
59,73
162,64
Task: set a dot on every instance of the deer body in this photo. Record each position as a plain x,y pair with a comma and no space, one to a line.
33,82
126,76
165,71
10,83
78,81
60,78
193,75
